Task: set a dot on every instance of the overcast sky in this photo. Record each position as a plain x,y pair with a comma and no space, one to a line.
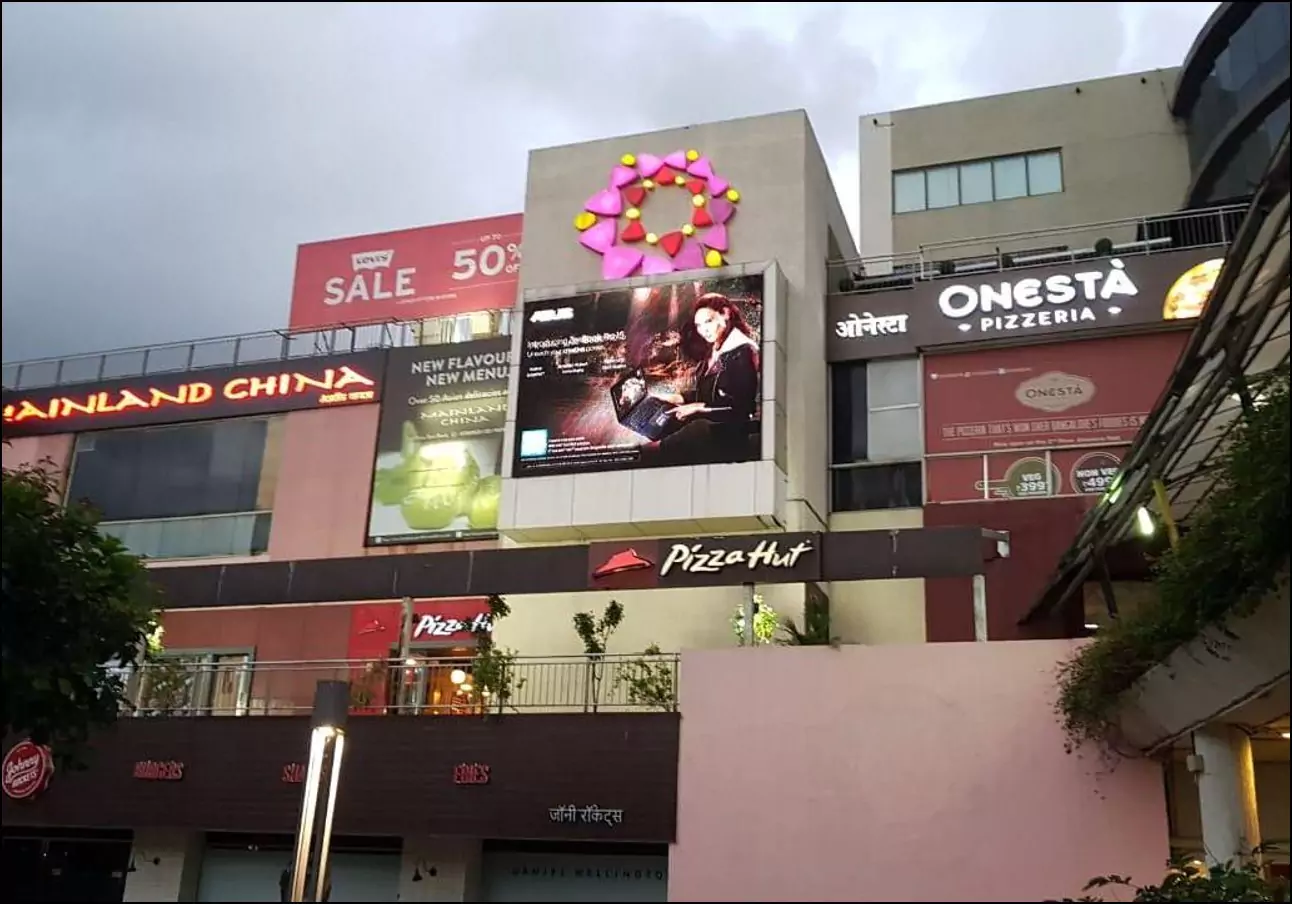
162,162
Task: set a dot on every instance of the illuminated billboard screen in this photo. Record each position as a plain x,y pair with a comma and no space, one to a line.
643,377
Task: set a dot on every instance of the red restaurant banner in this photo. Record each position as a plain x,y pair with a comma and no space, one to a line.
430,271
1039,420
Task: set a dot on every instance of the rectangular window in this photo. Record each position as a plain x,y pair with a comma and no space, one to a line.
1009,177
978,181
975,183
908,192
876,435
943,187
1044,173
184,491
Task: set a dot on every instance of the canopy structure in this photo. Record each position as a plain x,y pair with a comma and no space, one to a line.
1242,334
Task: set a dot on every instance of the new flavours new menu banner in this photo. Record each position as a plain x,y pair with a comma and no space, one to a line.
1039,420
644,377
439,443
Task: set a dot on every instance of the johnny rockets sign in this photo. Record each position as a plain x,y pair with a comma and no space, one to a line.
265,388
705,561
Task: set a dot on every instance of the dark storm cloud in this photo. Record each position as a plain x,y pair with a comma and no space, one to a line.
161,162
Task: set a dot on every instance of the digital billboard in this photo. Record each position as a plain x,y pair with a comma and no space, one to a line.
644,377
437,474
206,394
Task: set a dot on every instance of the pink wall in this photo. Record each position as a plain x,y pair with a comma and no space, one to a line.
897,773
28,450
324,483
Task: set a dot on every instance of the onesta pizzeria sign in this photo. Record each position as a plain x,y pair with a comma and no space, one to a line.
1098,293
266,388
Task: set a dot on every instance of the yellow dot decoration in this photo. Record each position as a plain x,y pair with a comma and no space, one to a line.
733,196
652,238
679,180
697,200
628,159
585,221
688,229
648,184
633,213
712,258
693,155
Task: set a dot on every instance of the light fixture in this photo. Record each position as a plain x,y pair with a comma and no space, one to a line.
1091,626
465,687
1287,735
322,779
1144,522
457,676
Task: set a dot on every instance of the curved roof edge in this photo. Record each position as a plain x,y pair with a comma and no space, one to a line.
1213,38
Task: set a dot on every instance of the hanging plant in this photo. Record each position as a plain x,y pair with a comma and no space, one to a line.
1231,559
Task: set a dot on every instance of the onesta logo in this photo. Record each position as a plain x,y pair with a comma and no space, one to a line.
551,315
1055,391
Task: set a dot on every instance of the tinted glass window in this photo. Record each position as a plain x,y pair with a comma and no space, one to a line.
172,472
848,412
908,192
880,487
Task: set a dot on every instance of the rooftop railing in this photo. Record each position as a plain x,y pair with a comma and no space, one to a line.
251,348
425,685
1156,234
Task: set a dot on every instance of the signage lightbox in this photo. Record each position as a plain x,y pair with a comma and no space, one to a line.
267,387
439,443
668,374
409,274
1062,298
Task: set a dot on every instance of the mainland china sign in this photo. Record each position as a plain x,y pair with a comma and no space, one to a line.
1100,292
207,394
705,561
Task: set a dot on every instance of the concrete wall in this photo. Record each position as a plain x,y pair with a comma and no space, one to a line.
1123,156
904,773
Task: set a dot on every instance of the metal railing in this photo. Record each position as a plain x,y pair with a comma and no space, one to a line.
1128,237
421,685
251,348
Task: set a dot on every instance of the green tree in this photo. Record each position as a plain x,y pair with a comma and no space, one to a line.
75,601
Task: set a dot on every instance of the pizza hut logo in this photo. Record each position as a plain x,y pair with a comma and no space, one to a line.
27,769
439,626
622,562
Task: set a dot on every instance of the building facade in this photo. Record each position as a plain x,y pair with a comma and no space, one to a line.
699,401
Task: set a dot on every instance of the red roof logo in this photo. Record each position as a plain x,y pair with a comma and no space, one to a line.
623,561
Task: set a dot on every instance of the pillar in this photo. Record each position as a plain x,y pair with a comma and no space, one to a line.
166,865
1226,793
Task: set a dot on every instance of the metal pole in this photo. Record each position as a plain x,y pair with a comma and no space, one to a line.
405,653
310,865
750,608
979,607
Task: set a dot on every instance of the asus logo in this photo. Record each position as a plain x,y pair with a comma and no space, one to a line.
550,315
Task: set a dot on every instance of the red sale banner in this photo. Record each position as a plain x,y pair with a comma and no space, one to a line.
453,268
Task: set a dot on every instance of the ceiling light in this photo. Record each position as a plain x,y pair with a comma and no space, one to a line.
1091,626
457,676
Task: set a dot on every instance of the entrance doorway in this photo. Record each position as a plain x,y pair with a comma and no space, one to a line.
42,868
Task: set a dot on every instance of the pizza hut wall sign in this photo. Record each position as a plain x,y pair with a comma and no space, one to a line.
694,245
26,770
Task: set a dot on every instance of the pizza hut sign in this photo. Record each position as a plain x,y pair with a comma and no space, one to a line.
27,769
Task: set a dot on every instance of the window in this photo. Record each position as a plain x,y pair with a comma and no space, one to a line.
979,181
192,683
908,192
184,491
462,327
876,426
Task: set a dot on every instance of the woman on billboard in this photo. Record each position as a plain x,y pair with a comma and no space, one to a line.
715,417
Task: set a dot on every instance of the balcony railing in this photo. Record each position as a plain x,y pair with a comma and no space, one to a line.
234,685
1038,248
252,348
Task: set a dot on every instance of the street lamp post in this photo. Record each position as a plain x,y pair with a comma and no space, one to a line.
310,867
